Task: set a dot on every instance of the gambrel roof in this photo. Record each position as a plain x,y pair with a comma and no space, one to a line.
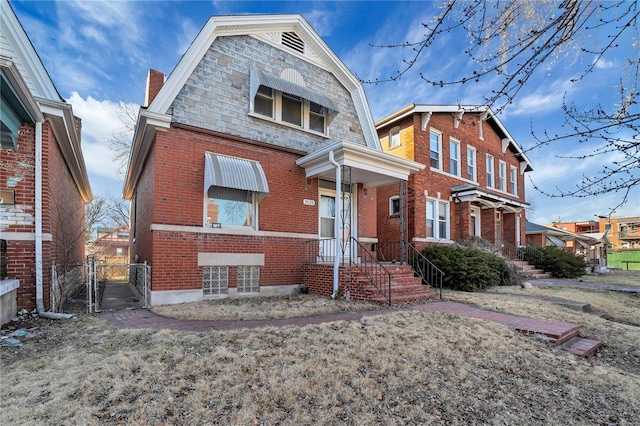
291,33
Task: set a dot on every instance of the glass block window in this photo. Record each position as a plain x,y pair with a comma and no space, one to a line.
248,279
215,280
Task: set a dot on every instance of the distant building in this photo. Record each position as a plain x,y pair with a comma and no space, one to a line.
112,242
622,232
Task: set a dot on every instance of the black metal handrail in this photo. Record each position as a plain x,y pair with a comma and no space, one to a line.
405,253
430,273
371,268
522,254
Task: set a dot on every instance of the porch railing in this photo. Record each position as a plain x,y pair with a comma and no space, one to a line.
352,253
406,253
522,254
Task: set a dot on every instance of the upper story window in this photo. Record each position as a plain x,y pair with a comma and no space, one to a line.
513,181
502,176
289,102
472,173
394,137
10,125
435,150
490,172
454,157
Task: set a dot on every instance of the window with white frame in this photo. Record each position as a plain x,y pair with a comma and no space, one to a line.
248,279
490,172
502,176
394,137
394,205
438,219
290,109
435,150
215,280
471,164
513,181
454,157
231,207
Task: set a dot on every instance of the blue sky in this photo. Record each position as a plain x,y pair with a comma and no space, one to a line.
98,55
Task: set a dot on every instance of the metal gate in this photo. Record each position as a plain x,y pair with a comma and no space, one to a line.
99,273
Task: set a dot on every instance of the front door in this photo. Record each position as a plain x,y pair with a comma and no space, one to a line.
328,217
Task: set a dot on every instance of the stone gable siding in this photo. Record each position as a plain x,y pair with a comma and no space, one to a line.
216,95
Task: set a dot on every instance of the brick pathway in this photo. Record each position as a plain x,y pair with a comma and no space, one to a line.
141,318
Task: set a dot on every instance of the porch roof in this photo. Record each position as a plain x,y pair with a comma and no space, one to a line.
368,166
486,198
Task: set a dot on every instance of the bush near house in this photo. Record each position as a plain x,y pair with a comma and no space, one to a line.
559,263
472,265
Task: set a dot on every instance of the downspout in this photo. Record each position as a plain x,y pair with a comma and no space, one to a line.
336,260
38,233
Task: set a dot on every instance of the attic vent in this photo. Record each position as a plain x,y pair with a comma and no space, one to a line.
292,41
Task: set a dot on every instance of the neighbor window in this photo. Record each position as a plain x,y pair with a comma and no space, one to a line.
394,205
233,207
394,137
292,109
437,219
502,176
215,280
263,103
471,164
435,148
248,279
490,172
513,181
454,157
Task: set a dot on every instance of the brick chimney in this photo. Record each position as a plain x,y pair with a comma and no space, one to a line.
155,80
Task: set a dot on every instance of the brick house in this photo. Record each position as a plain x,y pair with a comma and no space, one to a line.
473,184
256,159
43,182
112,243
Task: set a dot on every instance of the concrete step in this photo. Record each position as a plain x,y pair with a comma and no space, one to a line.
581,346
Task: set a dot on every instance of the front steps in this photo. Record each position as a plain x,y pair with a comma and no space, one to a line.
405,286
530,271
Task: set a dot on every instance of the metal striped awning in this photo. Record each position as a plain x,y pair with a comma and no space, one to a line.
259,78
556,241
235,173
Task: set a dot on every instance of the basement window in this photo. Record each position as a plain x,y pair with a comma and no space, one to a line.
215,280
248,279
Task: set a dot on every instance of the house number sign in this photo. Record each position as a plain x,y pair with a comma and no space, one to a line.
308,202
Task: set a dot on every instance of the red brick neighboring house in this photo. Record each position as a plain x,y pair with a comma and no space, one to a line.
112,243
246,158
473,184
43,179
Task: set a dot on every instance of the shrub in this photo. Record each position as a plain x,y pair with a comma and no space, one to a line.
471,267
560,264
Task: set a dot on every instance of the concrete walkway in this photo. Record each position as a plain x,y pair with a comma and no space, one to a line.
555,282
118,296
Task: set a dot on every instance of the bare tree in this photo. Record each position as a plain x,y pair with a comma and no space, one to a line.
120,141
509,41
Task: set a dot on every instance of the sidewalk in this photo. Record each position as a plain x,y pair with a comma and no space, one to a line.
556,282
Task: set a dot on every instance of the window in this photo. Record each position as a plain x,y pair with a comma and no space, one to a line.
10,125
394,205
490,171
248,279
394,137
292,109
502,176
119,251
513,181
471,164
263,103
317,115
454,157
233,207
215,280
437,219
435,148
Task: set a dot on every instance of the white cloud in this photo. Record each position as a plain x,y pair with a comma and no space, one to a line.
188,32
545,99
100,120
604,64
322,21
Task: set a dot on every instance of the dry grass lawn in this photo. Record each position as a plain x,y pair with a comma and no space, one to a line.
404,367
